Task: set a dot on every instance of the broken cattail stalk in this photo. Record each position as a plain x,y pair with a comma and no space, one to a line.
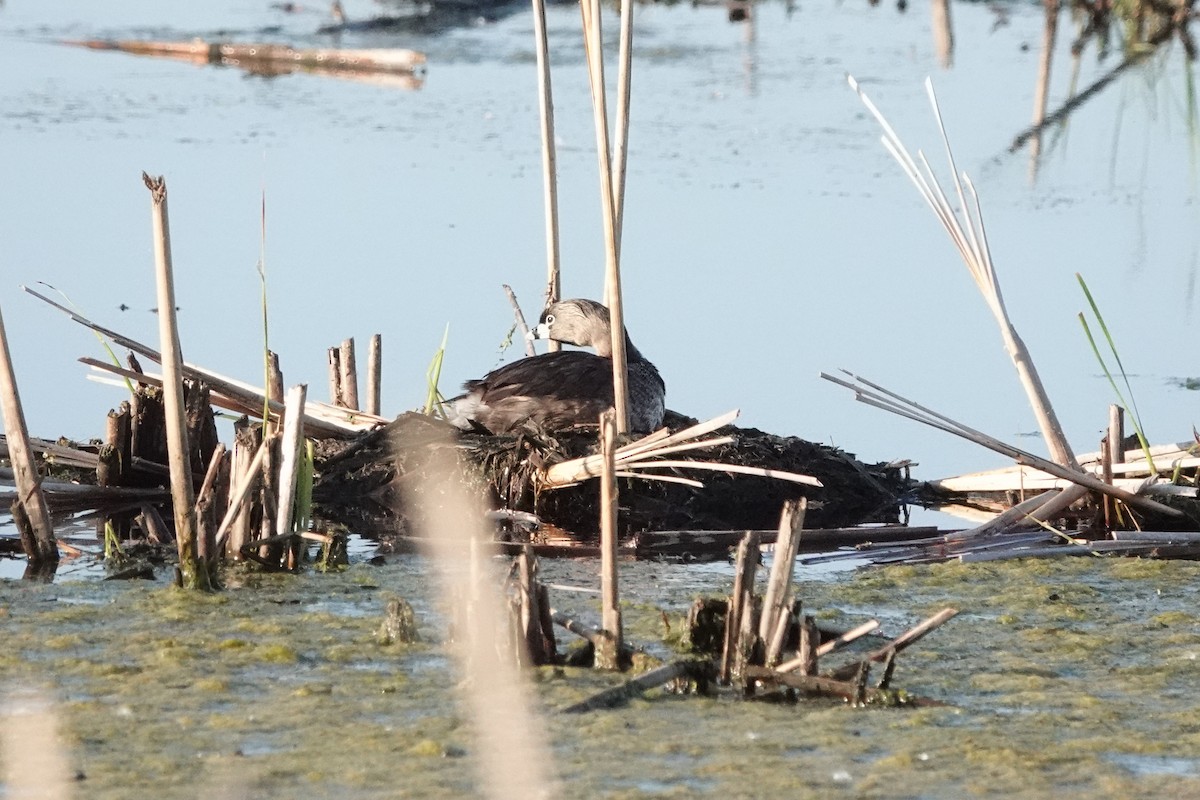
741,604
909,637
289,465
183,498
320,419
374,373
775,600
875,395
40,546
335,377
349,369
275,385
647,680
249,479
608,656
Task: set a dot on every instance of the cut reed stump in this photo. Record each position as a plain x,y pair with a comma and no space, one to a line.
360,481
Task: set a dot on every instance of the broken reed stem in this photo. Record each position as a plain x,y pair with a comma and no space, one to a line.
183,498
275,384
42,550
289,466
334,355
909,637
973,247
612,272
741,599
249,480
608,656
775,600
519,316
374,374
875,395
549,160
349,375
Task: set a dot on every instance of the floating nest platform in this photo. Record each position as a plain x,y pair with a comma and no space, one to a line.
364,482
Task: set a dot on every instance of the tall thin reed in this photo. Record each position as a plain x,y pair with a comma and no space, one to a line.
1129,405
612,272
549,159
972,246
193,574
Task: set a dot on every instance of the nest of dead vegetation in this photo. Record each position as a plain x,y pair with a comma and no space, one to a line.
364,482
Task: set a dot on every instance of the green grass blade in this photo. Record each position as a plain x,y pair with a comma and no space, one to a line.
103,341
433,397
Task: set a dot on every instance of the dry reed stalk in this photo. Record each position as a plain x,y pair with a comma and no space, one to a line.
334,357
519,316
875,395
776,608
248,480
183,498
635,454
289,465
904,640
831,646
549,160
612,261
374,374
349,368
320,419
275,384
495,695
41,547
608,656
972,245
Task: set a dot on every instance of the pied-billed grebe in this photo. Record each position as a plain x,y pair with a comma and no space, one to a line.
558,390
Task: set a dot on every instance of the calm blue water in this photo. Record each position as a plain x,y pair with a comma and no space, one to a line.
768,235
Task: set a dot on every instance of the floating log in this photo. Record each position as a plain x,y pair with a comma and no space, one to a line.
275,59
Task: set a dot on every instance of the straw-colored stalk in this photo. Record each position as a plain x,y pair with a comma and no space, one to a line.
608,655
549,159
374,373
183,497
966,231
612,272
321,419
637,455
620,155
874,395
349,367
289,466
43,550
238,495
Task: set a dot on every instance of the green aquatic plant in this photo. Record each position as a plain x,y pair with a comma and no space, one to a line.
1130,405
302,508
433,397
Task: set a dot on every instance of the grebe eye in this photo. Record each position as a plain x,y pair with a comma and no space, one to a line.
549,319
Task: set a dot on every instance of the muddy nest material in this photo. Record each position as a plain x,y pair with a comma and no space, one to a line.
363,482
